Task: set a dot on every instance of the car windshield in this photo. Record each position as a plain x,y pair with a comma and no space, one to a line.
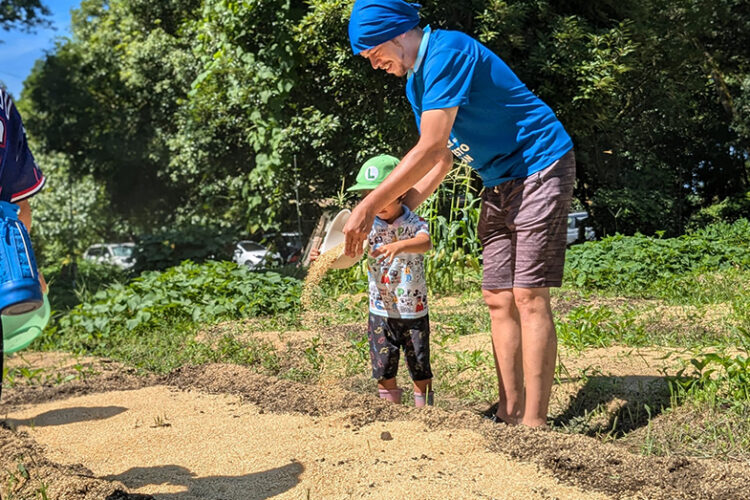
250,246
122,251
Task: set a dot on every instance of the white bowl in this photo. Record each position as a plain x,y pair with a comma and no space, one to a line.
334,237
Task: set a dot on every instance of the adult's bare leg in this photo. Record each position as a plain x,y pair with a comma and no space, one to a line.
539,347
507,350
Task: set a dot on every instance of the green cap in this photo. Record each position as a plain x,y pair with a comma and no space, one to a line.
373,172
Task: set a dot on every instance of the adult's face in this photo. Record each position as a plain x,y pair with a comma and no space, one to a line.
390,56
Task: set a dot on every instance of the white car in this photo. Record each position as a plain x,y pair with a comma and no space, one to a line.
117,254
254,255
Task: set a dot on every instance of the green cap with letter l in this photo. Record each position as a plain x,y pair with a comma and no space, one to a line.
373,172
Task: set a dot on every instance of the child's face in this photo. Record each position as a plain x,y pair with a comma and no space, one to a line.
390,211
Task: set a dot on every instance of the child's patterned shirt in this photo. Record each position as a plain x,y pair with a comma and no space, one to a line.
398,290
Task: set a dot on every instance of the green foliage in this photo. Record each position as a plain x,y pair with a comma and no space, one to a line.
107,96
71,284
211,112
720,377
585,327
727,210
22,14
170,246
471,360
71,213
453,215
207,293
633,263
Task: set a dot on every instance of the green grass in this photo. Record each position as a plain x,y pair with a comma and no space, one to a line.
697,430
27,376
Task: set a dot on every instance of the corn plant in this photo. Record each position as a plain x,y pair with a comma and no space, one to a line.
453,214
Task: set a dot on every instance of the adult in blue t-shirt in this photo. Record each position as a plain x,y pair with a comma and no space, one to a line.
20,177
466,98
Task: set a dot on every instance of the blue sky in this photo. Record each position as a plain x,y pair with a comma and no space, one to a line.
19,50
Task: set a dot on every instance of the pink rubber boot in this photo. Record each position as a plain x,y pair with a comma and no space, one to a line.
392,395
423,399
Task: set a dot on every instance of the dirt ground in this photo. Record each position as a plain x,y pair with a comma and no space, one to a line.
223,432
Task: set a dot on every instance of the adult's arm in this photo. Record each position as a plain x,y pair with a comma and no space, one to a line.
430,150
24,213
430,182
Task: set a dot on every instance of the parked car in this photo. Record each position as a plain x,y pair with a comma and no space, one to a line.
117,254
578,231
254,255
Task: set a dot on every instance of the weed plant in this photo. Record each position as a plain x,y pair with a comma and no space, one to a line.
721,378
72,284
588,326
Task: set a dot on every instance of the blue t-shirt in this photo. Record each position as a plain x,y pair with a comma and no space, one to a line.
20,176
502,129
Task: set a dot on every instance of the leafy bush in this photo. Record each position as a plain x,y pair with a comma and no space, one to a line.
71,213
190,292
636,262
727,210
170,246
70,285
634,209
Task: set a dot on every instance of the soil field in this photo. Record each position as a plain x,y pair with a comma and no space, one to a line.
224,432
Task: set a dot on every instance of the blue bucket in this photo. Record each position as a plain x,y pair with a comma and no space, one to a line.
21,330
20,291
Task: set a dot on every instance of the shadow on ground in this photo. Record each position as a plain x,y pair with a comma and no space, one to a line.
615,405
66,416
255,486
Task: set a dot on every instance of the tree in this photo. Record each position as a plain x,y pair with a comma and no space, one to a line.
213,113
23,14
73,213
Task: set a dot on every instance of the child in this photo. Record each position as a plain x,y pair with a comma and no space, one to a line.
398,292
20,177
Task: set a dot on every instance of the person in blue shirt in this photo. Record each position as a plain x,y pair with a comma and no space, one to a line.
467,101
20,177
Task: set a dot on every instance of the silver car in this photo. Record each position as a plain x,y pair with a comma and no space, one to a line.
578,230
117,254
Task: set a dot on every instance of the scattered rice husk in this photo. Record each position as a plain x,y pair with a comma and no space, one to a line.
317,271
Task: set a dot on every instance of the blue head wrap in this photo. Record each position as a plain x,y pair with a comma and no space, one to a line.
376,21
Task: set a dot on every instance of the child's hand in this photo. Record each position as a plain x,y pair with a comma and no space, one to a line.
314,254
386,253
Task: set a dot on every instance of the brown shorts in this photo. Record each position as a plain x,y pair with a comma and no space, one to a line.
523,228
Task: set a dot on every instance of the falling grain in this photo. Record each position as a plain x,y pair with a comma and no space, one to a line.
318,269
